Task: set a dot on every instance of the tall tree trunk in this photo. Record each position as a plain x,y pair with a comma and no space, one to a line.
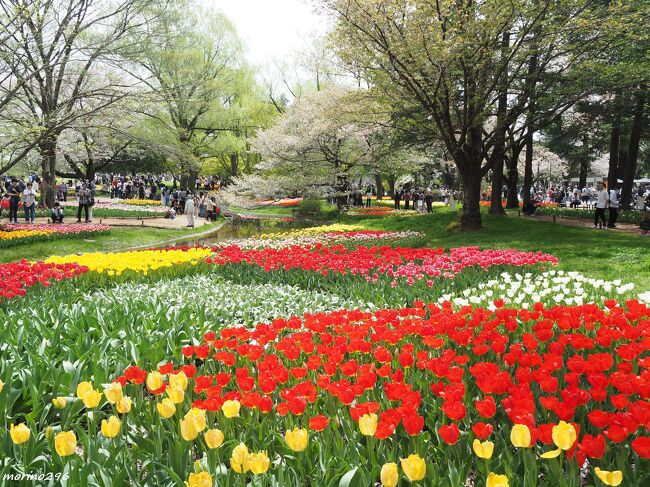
470,218
391,186
633,147
614,144
513,177
499,151
380,186
528,165
47,150
234,165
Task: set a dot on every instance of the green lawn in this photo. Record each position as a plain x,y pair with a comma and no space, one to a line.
598,253
119,238
265,210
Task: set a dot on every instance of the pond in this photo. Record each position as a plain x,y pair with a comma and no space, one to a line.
242,229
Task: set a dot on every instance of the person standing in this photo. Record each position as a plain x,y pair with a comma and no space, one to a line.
13,192
428,198
398,197
613,207
601,205
407,200
83,200
189,210
368,196
29,203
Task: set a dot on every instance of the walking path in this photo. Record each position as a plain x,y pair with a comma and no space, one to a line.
582,223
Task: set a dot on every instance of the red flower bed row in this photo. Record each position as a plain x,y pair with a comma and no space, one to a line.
471,372
400,262
16,277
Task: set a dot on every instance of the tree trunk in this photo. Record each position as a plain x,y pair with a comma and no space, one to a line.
513,177
234,165
633,147
47,150
380,186
528,167
470,218
499,151
614,145
391,186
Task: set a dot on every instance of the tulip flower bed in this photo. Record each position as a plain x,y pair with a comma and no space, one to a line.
23,233
17,277
505,397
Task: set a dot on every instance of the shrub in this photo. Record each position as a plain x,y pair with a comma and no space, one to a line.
315,209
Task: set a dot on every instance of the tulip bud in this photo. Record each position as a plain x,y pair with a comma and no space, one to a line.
59,402
258,462
239,459
91,398
564,435
176,395
111,428
297,439
166,408
124,405
19,433
609,478
520,436
113,392
213,438
414,467
389,475
84,387
368,424
494,480
231,408
201,479
188,429
178,381
154,381
483,450
65,443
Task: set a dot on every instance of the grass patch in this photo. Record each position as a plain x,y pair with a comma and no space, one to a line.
119,238
597,253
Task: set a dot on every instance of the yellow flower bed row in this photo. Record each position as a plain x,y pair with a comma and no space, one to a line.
23,234
141,202
115,263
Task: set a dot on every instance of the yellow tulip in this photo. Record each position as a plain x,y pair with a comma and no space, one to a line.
91,398
59,402
414,467
189,430
231,408
389,475
111,428
197,416
239,459
609,478
297,439
201,479
154,381
166,408
124,405
520,436
483,450
113,392
65,443
564,435
176,395
258,462
368,424
213,438
495,480
551,454
178,381
84,387
19,433
2,385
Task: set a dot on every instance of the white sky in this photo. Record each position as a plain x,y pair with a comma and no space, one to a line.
272,29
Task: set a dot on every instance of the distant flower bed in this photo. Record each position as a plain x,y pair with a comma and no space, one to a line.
138,202
283,202
19,234
626,216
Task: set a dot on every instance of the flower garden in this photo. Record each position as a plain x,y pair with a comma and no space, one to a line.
329,356
24,233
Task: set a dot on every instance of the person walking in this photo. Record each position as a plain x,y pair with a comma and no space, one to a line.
29,203
613,207
407,200
398,197
83,200
13,192
428,198
189,210
601,205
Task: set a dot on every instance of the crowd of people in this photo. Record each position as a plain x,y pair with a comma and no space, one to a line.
420,199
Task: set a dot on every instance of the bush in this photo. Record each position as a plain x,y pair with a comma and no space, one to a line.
315,209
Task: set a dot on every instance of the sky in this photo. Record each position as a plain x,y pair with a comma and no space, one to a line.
272,29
